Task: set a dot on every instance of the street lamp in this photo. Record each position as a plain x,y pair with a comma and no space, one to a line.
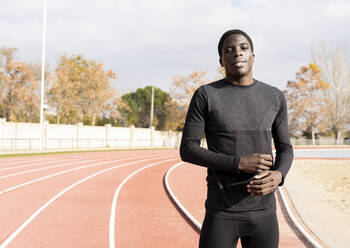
42,90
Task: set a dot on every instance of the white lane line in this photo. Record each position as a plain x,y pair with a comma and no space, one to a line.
9,162
296,222
114,202
29,160
55,166
37,212
42,168
199,226
44,161
62,172
35,164
177,202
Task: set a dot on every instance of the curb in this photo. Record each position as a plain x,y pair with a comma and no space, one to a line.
287,202
298,222
177,203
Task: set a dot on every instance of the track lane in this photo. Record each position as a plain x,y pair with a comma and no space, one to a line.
21,203
53,157
53,224
146,217
38,174
13,213
188,183
33,159
112,219
45,166
88,157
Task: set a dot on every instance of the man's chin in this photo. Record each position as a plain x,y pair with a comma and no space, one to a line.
239,74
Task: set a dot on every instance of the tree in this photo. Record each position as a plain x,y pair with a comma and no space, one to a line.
185,86
336,72
138,108
182,92
221,73
82,90
19,88
307,101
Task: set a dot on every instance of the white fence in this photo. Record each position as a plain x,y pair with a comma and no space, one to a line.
20,136
320,141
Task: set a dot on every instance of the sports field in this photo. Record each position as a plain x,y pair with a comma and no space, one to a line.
106,199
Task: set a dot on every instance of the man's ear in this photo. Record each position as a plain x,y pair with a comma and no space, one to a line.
220,61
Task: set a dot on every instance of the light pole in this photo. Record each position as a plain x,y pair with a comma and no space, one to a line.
42,91
152,106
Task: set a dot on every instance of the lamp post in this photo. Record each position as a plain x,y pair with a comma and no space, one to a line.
152,106
42,91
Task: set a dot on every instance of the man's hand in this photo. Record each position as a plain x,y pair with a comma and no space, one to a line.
255,163
265,183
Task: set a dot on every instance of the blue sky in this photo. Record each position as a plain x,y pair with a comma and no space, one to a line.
151,41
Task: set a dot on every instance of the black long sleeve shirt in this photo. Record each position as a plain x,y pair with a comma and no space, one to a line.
237,121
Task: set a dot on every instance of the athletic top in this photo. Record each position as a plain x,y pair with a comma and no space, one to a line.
237,121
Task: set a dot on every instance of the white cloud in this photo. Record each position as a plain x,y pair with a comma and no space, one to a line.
148,41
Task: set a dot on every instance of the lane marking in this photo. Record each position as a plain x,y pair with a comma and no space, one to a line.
114,202
53,158
296,222
35,164
29,160
55,166
199,226
62,172
177,202
44,168
13,235
3,162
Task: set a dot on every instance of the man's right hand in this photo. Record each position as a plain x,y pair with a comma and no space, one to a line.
255,163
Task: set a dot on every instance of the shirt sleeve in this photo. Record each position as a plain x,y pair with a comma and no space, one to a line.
280,134
194,128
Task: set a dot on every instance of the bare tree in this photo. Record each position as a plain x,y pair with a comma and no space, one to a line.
336,73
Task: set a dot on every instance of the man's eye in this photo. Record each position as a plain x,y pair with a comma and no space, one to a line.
228,50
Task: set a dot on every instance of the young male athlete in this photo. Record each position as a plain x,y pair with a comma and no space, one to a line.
239,116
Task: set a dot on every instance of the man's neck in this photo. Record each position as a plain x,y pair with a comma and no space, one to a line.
244,81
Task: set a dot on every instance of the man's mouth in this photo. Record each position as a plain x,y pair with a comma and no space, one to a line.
238,63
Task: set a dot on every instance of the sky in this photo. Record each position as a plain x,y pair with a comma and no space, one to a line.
150,41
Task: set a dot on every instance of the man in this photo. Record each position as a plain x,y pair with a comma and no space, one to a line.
239,116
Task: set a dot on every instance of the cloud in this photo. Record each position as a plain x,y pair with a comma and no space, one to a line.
146,41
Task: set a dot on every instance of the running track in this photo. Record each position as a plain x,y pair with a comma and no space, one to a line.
104,199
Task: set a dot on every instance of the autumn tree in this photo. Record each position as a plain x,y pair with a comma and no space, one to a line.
139,104
82,90
336,72
19,88
221,73
185,86
307,101
182,91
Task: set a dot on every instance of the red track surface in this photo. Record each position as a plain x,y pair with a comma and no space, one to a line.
77,213
188,184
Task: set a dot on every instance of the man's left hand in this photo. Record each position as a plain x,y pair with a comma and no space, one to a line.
265,183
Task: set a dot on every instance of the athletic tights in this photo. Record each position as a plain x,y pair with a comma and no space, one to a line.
258,232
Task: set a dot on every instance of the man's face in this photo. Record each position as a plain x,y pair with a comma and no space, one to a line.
237,56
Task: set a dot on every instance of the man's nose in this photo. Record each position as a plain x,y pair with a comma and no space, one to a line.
237,52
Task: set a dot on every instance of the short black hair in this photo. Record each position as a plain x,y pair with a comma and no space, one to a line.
230,32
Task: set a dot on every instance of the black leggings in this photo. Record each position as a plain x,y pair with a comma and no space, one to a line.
258,232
